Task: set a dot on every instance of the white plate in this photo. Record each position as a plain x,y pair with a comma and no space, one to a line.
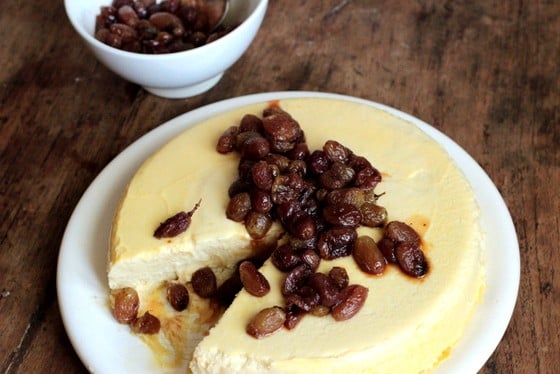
107,347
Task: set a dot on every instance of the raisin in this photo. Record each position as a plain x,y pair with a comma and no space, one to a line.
203,282
329,293
305,299
311,258
255,148
296,278
238,207
299,152
336,152
387,247
125,304
342,214
227,141
301,225
339,276
338,176
368,256
146,324
178,296
286,187
336,242
373,215
227,290
411,259
253,280
285,258
353,299
266,322
257,224
400,232
261,201
176,224
263,175
293,316
250,122
281,127
318,163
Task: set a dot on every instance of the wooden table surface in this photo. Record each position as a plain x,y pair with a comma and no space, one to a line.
486,73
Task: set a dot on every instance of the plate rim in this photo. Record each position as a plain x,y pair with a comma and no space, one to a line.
496,308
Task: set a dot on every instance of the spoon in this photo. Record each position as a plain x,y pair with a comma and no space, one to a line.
217,12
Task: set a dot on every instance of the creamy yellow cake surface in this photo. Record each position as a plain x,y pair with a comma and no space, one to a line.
407,325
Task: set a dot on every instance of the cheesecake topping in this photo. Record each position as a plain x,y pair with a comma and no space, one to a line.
320,198
175,224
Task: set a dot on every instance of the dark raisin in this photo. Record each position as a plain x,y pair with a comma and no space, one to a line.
411,259
251,122
296,278
368,257
257,224
263,175
175,225
353,299
336,152
342,214
146,324
299,152
400,232
238,207
311,258
227,290
178,296
339,276
293,316
285,258
329,293
318,163
261,201
305,298
253,280
373,215
338,176
286,187
387,247
203,282
227,141
336,242
301,225
255,148
281,127
244,137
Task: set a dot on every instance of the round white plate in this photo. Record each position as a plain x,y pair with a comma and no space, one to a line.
107,347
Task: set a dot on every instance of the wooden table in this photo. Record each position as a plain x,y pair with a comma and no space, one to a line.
486,73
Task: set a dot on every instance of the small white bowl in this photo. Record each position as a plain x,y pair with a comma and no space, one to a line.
172,75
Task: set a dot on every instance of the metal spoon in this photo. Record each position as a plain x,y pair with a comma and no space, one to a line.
217,12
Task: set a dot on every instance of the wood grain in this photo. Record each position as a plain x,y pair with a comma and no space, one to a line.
486,73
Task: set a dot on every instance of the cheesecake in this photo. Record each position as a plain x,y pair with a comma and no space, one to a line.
406,324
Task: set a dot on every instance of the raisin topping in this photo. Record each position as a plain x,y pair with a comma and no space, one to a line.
176,224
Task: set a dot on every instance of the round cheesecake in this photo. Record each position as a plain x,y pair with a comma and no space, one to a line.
405,325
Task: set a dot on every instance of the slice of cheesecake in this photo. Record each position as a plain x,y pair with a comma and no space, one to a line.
406,324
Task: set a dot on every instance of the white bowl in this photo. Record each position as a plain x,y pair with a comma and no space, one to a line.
179,74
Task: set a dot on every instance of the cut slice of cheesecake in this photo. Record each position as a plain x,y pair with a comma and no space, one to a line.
186,171
406,324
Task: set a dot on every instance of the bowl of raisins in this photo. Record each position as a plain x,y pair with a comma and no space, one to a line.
172,48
